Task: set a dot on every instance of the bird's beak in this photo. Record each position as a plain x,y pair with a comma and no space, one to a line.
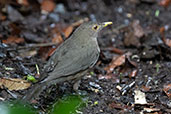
105,24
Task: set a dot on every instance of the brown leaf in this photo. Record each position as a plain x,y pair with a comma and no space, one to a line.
165,3
165,40
57,39
131,40
2,17
28,53
168,42
133,73
148,110
116,61
138,30
167,90
50,52
114,50
145,88
23,2
14,84
48,5
13,39
68,31
77,23
119,106
133,34
46,52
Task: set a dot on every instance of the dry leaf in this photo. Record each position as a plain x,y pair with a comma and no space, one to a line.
23,2
13,39
151,110
138,30
2,17
48,5
167,90
68,31
116,61
168,42
133,73
14,84
28,53
133,34
139,97
57,39
145,88
165,3
165,40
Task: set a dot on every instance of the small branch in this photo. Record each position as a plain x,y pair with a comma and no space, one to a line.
32,46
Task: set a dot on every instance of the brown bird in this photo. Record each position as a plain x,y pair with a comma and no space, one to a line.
71,59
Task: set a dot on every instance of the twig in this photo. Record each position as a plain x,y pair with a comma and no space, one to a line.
32,46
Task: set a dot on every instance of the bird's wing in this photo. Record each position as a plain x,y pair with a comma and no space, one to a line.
64,65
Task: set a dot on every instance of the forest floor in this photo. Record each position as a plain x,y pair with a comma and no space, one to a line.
133,73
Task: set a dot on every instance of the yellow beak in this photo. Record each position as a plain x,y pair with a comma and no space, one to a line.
105,24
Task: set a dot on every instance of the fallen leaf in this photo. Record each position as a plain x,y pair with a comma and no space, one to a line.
68,31
133,34
145,88
138,30
23,2
13,39
139,97
165,40
167,90
77,23
133,73
165,3
50,52
168,42
119,106
2,17
47,6
114,50
151,110
57,39
14,84
116,61
28,53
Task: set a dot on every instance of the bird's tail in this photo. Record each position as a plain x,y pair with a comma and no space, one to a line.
34,92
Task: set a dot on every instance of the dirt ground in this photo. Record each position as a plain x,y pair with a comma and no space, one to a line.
135,57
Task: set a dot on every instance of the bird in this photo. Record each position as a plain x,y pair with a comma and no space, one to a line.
71,60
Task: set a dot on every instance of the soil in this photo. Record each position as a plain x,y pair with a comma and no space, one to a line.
141,28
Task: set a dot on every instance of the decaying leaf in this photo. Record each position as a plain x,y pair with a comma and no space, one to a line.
133,34
47,6
165,40
167,90
57,38
13,39
151,110
116,61
68,31
23,2
168,42
138,30
14,84
139,97
165,3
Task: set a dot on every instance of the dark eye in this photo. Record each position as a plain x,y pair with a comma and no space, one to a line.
95,27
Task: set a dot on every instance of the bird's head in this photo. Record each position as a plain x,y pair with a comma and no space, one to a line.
92,28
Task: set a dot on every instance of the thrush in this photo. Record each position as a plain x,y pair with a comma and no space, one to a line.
72,59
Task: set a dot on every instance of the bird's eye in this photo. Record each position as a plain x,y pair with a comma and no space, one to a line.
95,27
